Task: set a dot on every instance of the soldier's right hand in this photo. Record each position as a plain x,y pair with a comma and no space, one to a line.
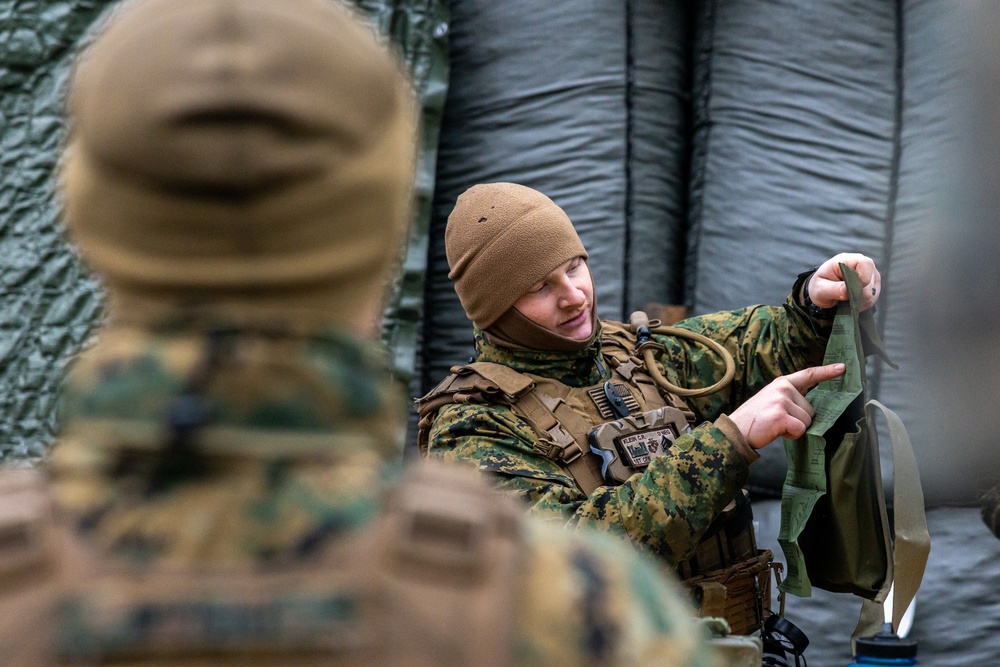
780,409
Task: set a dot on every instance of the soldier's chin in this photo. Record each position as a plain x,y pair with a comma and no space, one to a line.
579,328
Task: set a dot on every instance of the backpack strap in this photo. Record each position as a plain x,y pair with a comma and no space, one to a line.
912,543
619,347
555,423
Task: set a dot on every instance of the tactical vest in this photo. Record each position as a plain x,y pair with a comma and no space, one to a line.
563,416
431,582
603,434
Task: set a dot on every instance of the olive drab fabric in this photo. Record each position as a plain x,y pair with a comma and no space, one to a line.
835,529
247,116
668,507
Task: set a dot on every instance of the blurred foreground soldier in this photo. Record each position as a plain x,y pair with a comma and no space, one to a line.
224,486
641,431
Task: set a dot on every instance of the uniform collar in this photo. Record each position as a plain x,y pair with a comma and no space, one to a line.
580,368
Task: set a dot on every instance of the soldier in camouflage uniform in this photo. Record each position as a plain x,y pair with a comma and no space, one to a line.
225,489
520,271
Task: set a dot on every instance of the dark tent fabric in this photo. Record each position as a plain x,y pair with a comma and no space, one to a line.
49,303
419,30
795,151
584,100
816,133
936,37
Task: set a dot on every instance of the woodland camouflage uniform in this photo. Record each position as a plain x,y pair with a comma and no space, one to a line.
289,473
226,486
669,506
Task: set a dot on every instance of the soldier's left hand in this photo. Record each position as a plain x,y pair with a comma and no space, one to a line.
827,286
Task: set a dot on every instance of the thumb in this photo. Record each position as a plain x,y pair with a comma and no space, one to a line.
808,378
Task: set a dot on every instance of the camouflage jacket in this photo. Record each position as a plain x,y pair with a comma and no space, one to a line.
297,449
668,507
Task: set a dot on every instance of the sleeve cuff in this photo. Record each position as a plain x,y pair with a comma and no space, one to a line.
796,301
735,436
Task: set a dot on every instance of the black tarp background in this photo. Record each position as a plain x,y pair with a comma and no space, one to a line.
828,128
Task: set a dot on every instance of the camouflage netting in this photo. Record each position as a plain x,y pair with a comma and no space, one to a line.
49,303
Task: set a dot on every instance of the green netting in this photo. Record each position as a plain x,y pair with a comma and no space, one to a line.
49,303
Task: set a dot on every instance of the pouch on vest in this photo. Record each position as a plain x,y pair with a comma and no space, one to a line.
834,526
627,445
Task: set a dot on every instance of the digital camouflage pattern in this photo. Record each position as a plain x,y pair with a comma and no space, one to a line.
668,507
315,411
301,447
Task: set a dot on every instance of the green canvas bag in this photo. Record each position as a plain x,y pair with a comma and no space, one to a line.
834,526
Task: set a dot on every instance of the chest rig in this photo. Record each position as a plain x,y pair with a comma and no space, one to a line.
605,433
601,434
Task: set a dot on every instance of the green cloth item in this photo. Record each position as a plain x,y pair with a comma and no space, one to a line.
834,527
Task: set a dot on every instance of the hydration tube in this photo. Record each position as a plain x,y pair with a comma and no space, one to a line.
648,348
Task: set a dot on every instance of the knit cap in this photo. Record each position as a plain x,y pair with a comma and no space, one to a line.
250,154
501,239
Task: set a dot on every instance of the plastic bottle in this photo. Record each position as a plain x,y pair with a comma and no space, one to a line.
886,648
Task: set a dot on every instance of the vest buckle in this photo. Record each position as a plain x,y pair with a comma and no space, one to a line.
548,449
555,452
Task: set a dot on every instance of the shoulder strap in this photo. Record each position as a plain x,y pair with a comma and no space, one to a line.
554,423
619,348
479,382
912,542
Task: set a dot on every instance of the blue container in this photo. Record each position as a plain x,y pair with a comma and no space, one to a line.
886,648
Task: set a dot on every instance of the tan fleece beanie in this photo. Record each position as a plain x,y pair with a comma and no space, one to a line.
249,154
501,239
